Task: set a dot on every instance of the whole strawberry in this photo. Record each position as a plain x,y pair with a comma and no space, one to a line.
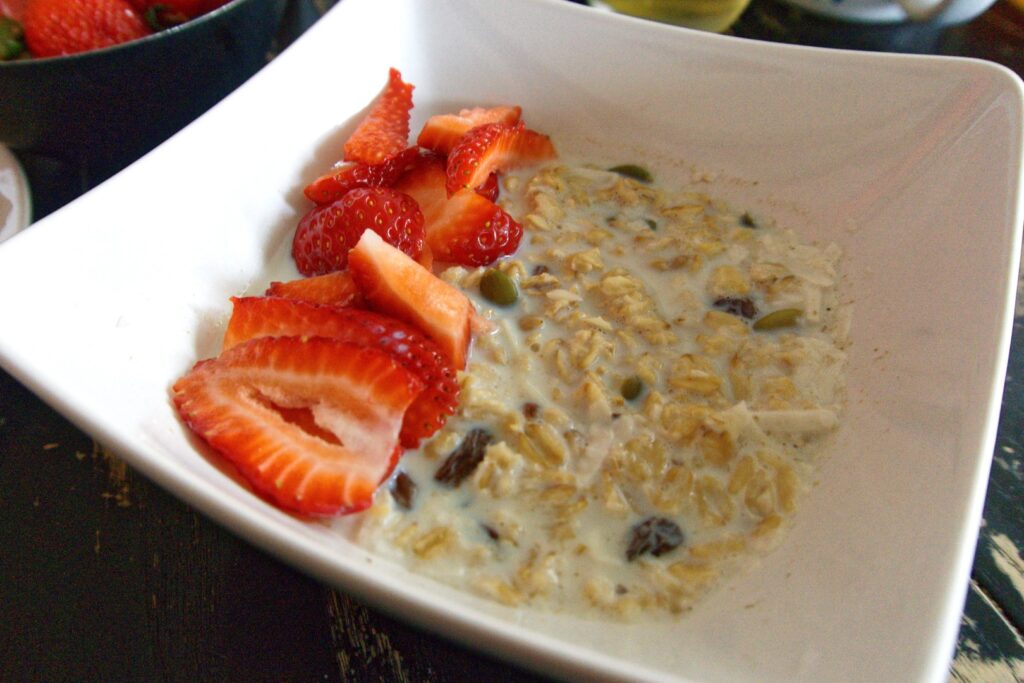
327,233
63,27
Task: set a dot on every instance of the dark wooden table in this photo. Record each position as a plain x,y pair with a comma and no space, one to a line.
105,577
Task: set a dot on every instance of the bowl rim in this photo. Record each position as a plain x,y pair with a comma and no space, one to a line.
22,212
314,558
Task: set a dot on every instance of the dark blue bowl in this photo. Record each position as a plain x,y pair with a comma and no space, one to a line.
80,118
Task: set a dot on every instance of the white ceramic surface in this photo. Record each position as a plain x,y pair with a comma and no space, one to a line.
15,203
912,164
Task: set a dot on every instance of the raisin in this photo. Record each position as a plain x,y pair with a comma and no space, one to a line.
530,410
653,536
461,462
403,490
491,532
737,306
747,221
540,269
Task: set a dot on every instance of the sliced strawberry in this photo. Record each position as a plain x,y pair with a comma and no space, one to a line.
267,316
395,284
384,132
490,188
425,183
494,147
333,185
335,289
466,228
473,231
326,233
441,133
312,424
426,259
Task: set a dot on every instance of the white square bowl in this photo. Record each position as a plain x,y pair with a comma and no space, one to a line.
913,165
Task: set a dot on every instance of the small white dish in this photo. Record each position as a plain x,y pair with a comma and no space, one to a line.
15,202
911,164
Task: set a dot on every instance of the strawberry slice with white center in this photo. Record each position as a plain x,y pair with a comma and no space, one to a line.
493,148
441,133
333,185
466,228
384,132
312,424
333,289
394,284
256,316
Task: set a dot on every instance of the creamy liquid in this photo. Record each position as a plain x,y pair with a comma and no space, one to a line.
619,281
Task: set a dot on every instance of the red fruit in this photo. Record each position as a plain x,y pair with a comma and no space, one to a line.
442,132
474,231
63,27
491,148
396,285
210,5
160,14
312,424
12,9
490,188
167,13
334,289
426,259
425,183
333,185
327,233
267,316
465,228
385,130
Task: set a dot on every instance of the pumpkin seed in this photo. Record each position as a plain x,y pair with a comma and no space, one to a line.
784,317
633,171
631,387
498,288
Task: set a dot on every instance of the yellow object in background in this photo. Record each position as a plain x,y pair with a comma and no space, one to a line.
706,15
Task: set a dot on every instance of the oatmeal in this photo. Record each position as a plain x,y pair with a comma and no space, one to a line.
642,420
